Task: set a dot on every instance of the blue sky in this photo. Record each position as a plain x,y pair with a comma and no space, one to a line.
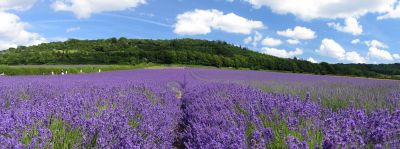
335,31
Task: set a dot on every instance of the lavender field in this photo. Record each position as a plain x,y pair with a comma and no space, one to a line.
198,108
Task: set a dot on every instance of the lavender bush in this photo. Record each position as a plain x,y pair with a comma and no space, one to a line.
198,108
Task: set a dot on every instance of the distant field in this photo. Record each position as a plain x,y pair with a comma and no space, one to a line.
70,69
13,70
57,69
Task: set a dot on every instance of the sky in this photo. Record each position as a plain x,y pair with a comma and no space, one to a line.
334,31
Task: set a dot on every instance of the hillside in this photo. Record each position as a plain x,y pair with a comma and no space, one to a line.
179,51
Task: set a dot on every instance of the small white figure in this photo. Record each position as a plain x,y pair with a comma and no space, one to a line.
2,74
99,70
81,71
52,73
62,72
66,72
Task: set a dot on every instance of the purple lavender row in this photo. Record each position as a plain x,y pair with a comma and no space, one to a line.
88,111
232,116
333,91
198,108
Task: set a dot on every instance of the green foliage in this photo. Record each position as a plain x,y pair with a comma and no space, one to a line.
281,131
101,108
93,141
29,135
241,110
125,51
64,136
135,121
335,104
151,96
24,96
250,128
8,104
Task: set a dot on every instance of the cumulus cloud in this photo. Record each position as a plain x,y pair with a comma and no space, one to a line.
332,49
375,43
293,41
13,32
354,57
85,8
331,9
281,52
378,50
253,39
19,5
355,41
351,26
271,42
204,21
298,33
312,60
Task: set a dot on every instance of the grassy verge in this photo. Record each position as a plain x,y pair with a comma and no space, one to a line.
70,69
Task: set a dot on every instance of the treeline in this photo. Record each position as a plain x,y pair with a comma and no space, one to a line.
178,51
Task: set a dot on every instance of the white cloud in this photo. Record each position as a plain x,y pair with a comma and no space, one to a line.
19,5
248,40
392,14
73,29
5,45
204,21
355,41
351,26
312,60
396,56
376,43
381,54
354,57
271,42
331,9
85,8
299,33
257,37
13,32
281,52
377,50
253,39
293,41
332,49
